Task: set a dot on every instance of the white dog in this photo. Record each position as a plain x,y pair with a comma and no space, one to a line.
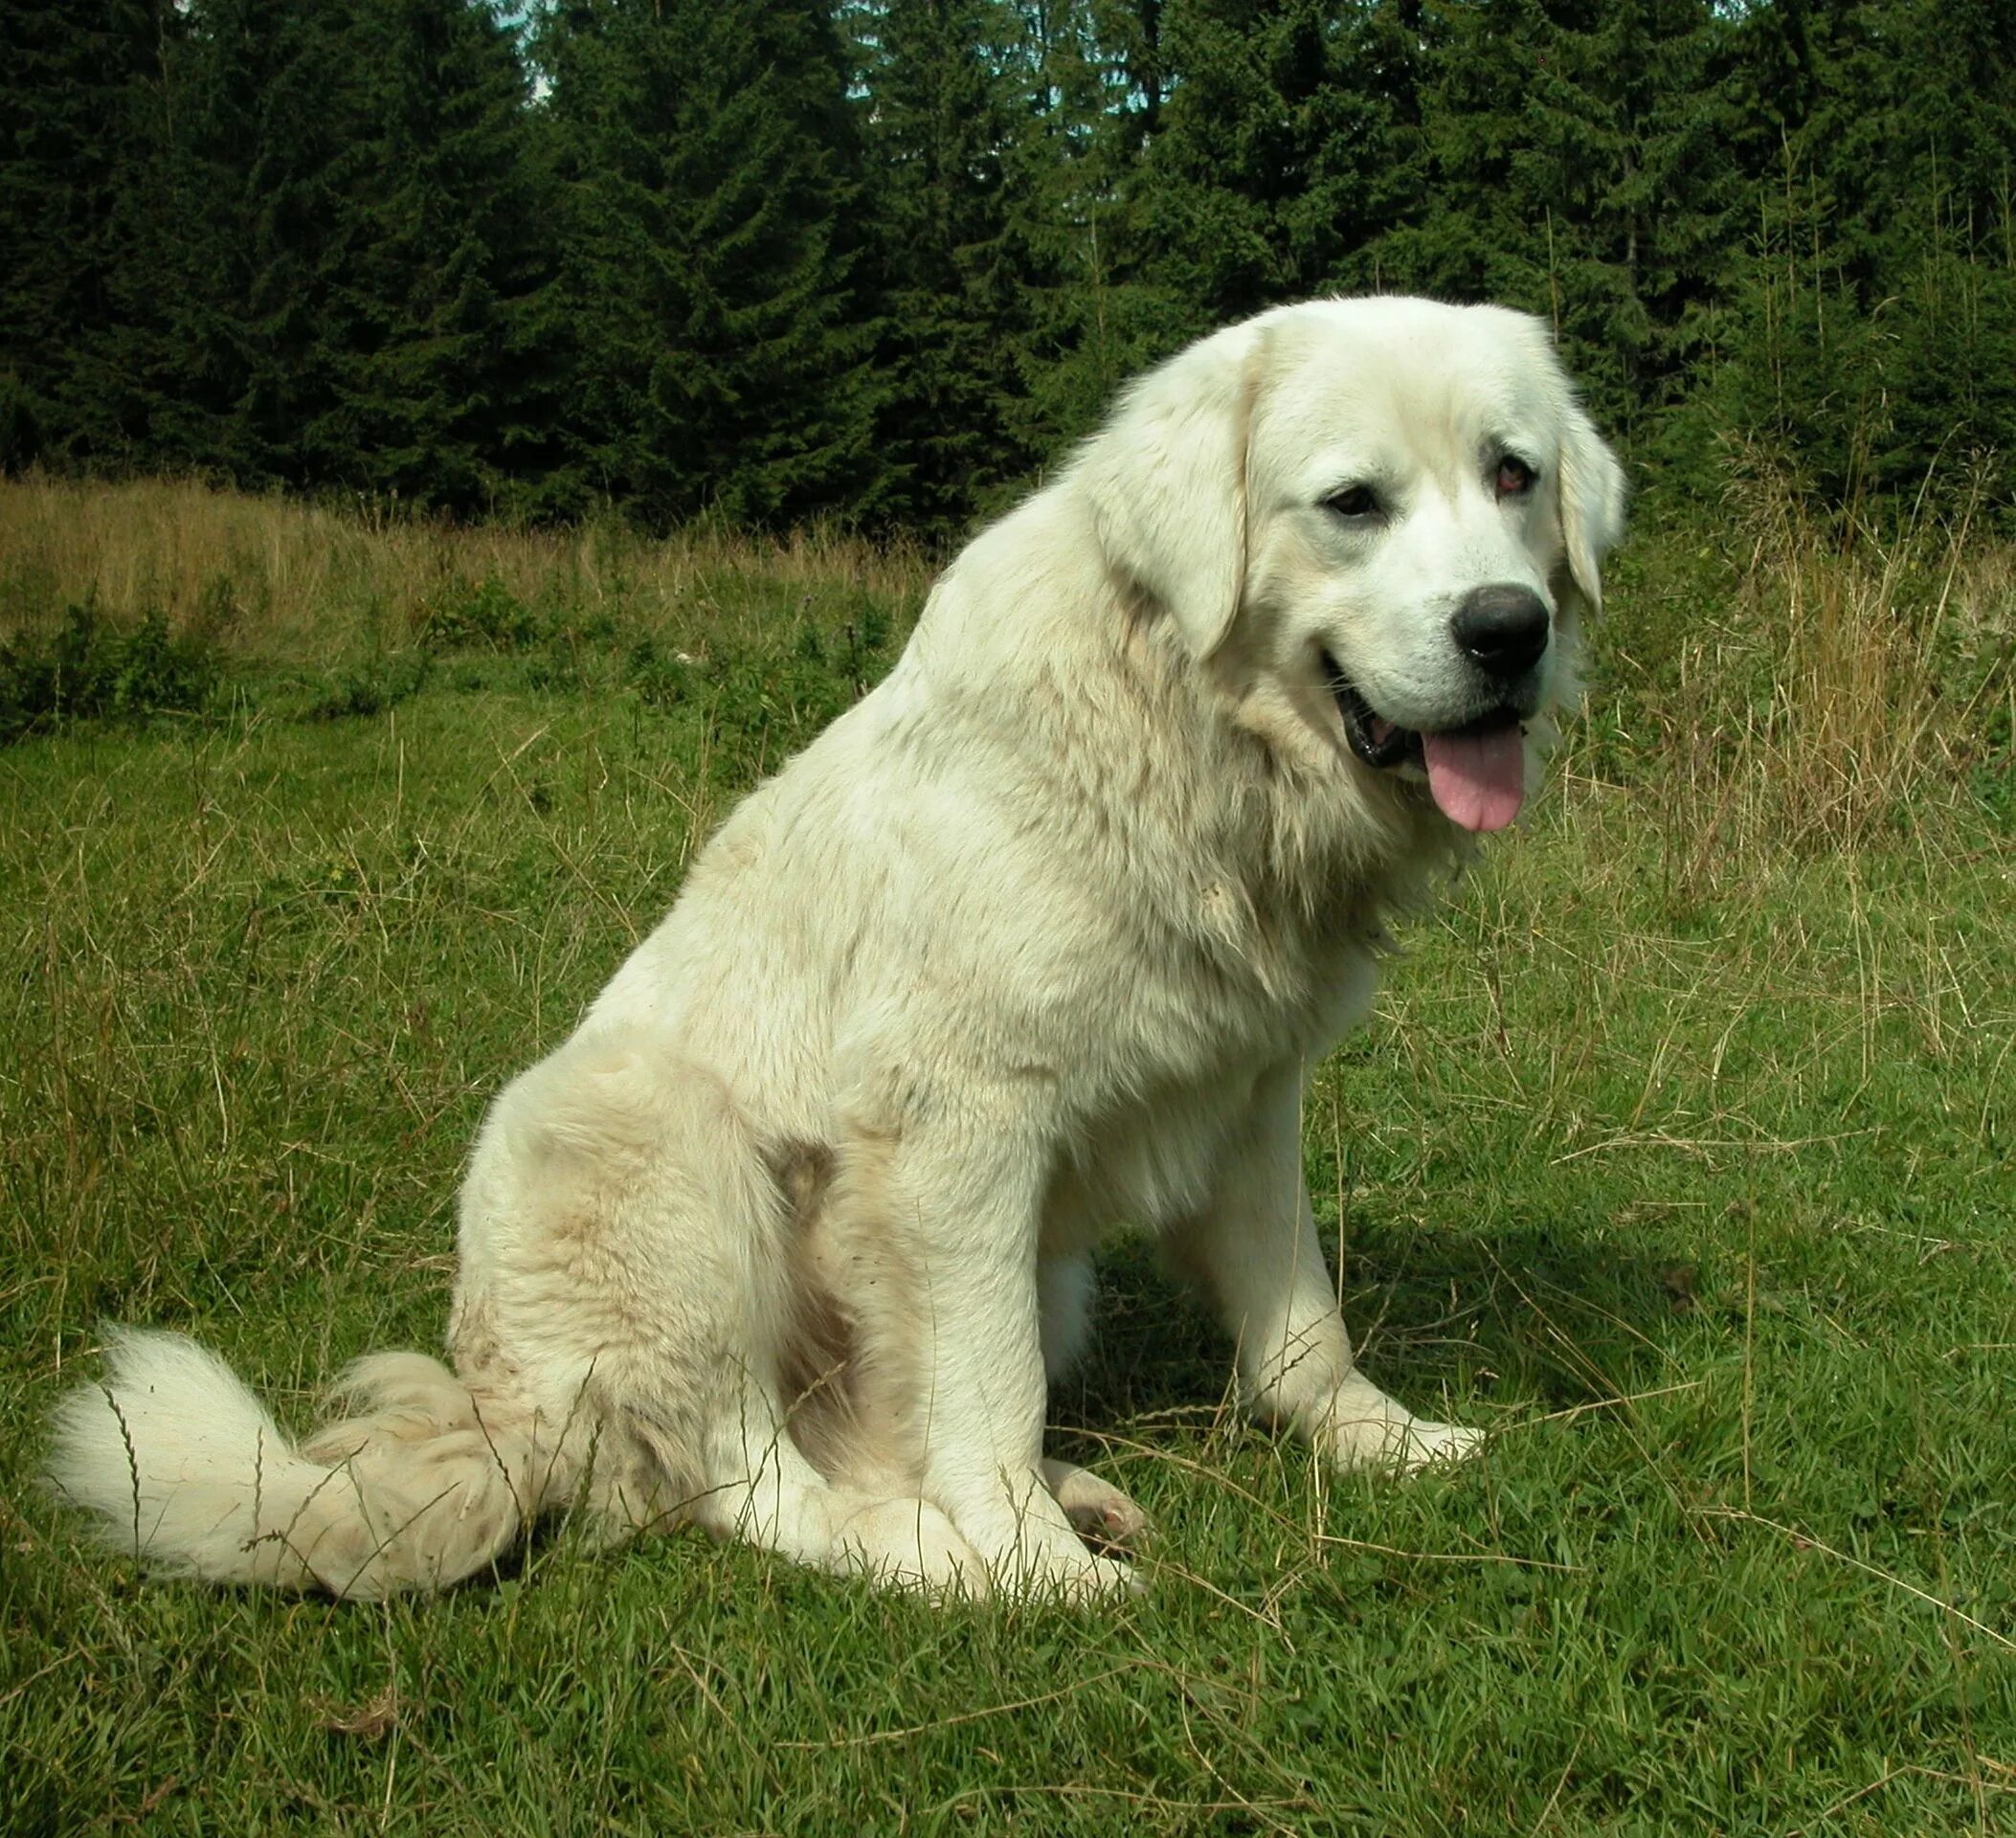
1041,938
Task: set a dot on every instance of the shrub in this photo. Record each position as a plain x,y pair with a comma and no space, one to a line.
368,688
486,617
90,667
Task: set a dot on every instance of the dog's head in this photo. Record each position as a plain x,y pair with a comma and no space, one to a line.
1377,522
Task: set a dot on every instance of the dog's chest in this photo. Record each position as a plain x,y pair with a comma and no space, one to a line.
1154,1132
1238,986
1145,1165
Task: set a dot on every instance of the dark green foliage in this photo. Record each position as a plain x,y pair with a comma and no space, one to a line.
708,168
880,261
20,422
89,667
363,690
452,381
1092,314
952,103
268,177
1874,330
1257,184
487,616
80,107
758,704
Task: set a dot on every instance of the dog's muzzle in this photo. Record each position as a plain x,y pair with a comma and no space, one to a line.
1476,770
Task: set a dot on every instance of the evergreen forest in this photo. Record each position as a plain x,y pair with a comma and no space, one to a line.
875,262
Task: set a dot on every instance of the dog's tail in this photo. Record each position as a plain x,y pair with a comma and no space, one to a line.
422,1484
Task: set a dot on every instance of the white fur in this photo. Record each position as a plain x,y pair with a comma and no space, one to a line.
1040,938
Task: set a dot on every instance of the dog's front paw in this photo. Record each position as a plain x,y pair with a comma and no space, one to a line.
908,1544
1033,1551
1362,1428
1074,1579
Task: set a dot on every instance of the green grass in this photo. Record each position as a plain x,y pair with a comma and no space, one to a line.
1678,1154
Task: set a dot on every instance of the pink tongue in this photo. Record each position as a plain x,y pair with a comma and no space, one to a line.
1478,779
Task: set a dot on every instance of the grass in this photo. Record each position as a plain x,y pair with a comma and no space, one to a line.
1678,1154
288,579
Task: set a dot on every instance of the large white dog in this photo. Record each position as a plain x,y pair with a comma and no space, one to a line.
1040,938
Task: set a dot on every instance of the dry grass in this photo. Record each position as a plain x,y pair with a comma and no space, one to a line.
277,579
1802,682
1862,625
1814,684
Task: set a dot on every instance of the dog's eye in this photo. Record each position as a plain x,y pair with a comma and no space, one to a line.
1514,477
1356,502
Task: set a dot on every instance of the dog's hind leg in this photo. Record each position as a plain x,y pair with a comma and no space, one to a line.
1098,1511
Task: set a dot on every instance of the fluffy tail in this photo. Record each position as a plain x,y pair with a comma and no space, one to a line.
421,1485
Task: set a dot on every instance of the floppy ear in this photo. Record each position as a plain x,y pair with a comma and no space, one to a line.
1166,480
1592,497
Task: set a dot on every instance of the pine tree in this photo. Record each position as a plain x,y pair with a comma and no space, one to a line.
270,112
75,153
1214,175
1873,345
1580,167
1290,149
722,261
449,384
948,102
1090,315
706,155
1379,155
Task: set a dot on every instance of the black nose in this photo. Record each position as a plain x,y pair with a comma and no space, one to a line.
1502,630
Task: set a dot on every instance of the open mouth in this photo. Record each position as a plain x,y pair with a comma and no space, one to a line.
1476,771
1377,741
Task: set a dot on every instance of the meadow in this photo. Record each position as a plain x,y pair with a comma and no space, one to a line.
1678,1154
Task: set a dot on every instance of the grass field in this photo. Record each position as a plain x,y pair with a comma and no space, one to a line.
1679,1153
